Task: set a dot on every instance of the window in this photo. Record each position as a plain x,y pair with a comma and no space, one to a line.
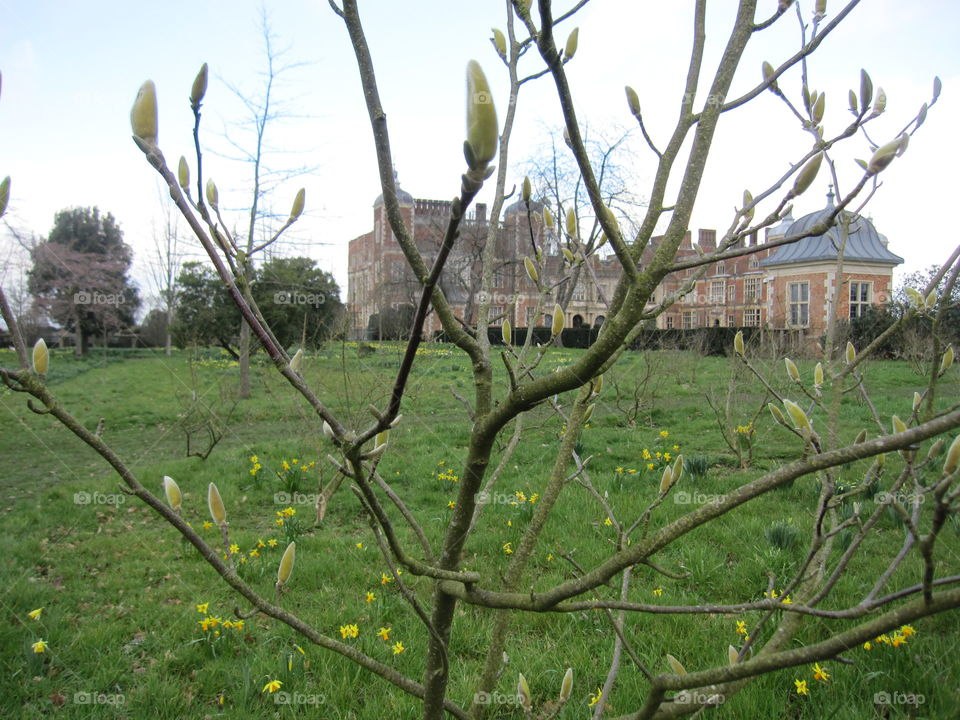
721,268
397,269
754,263
497,314
578,292
498,277
689,319
859,298
669,322
731,295
751,318
799,304
716,291
752,289
731,320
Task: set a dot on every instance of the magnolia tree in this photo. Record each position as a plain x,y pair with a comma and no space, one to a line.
920,480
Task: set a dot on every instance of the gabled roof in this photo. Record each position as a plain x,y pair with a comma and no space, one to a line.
864,243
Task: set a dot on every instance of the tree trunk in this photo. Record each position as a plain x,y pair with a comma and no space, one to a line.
244,391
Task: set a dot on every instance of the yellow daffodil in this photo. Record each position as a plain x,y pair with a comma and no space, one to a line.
868,645
384,579
359,546
741,627
608,522
272,542
207,525
234,549
261,543
254,459
658,591
650,466
801,686
820,673
272,686
595,697
35,614
202,607
370,597
349,631
384,633
398,648
39,646
907,631
508,548
451,504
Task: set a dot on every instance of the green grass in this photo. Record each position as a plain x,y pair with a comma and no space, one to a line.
119,587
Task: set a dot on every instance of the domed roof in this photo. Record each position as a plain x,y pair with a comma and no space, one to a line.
403,197
864,243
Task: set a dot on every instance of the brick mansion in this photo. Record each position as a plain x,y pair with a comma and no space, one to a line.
790,286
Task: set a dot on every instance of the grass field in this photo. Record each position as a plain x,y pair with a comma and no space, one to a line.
119,588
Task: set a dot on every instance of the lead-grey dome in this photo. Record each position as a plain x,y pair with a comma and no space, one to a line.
403,197
864,243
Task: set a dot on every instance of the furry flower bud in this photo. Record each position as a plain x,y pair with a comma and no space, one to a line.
143,115
952,462
777,415
298,202
296,362
818,375
666,480
850,354
213,196
572,40
885,154
183,173
499,42
732,654
917,399
558,320
482,126
41,357
797,415
523,692
199,88
947,360
768,73
506,332
548,219
531,269
526,190
792,370
898,425
286,564
738,347
675,665
572,229
566,686
215,503
807,175
172,491
633,100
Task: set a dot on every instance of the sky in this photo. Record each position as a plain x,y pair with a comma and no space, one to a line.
71,71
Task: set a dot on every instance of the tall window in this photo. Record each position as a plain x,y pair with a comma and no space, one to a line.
752,289
799,304
498,277
731,295
689,319
721,269
859,298
754,263
669,322
751,317
717,291
497,314
579,293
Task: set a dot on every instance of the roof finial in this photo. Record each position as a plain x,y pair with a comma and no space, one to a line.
830,195
396,177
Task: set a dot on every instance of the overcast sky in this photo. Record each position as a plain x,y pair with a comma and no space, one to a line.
71,71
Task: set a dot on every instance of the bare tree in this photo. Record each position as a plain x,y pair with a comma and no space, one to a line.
922,487
165,268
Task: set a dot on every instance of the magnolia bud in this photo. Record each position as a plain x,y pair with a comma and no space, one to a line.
523,692
866,90
880,104
296,362
531,269
797,415
850,354
327,430
820,9
41,357
947,360
548,218
852,98
917,399
572,223
881,460
286,564
199,88
738,347
732,654
885,154
4,194
915,297
381,440
768,73
861,436
899,425
213,197
952,462
217,511
777,415
792,370
183,173
818,108
588,413
143,116
499,42
666,480
482,127
558,320
566,686
930,301
633,100
818,375
172,491
525,192
568,255
506,332
675,665
598,384
747,199
807,175
936,449
677,470
298,202
571,49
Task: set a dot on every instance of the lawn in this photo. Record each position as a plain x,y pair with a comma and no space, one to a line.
119,588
